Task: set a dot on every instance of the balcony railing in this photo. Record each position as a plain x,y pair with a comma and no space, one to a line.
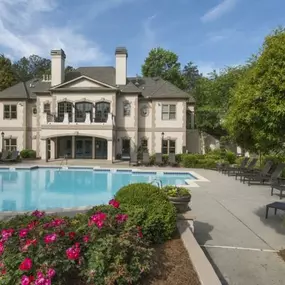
67,118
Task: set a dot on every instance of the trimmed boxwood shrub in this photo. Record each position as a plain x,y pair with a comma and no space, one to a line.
28,153
148,207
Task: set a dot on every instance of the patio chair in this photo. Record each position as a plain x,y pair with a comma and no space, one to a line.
248,169
229,169
261,178
172,159
264,172
4,155
14,157
145,159
158,159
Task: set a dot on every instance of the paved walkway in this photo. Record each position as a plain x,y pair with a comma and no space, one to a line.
231,228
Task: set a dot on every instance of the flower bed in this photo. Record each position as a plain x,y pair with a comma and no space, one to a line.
95,249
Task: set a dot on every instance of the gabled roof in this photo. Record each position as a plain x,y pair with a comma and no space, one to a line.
25,90
104,74
158,88
146,86
66,83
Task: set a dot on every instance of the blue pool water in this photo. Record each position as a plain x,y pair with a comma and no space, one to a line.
47,188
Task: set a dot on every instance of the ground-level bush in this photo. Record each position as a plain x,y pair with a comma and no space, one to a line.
149,207
96,247
28,153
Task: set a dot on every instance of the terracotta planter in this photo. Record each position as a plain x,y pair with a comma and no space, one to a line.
180,203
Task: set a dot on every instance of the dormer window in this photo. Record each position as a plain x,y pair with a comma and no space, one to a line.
127,109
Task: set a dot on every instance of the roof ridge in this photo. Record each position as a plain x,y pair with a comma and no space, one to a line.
159,87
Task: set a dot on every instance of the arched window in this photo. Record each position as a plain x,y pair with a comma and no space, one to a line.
64,107
81,108
101,111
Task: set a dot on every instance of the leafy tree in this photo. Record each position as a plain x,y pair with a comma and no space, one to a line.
190,75
7,77
256,117
163,63
212,96
32,67
69,69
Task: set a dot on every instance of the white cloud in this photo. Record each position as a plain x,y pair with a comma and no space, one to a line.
23,31
223,8
207,67
149,39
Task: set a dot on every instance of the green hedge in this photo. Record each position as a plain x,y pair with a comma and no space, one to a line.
28,153
147,206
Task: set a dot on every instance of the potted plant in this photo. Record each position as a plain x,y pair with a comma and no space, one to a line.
179,197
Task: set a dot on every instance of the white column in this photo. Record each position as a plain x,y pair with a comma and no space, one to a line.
52,149
43,149
110,150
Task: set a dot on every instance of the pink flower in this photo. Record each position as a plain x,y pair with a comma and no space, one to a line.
73,252
72,235
23,233
42,281
98,219
1,248
32,225
6,234
50,238
57,222
38,214
29,242
54,223
86,238
26,264
121,218
25,280
114,203
51,273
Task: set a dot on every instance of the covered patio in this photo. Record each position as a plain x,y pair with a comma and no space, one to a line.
77,146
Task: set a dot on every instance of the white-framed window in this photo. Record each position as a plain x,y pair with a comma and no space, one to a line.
47,108
10,112
127,109
10,144
168,146
168,112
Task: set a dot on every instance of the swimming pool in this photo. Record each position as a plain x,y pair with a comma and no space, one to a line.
50,188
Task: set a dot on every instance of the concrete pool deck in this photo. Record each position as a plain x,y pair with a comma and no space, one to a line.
230,225
231,228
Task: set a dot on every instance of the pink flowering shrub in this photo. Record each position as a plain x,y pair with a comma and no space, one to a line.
95,248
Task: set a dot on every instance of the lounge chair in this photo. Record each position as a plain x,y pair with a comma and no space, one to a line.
158,159
248,169
265,171
14,157
261,178
172,159
145,159
229,169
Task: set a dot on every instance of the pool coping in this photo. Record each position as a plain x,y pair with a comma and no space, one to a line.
202,265
195,175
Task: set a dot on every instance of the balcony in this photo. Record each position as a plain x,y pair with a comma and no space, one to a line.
77,118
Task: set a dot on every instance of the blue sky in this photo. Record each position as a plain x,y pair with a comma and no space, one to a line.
211,33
